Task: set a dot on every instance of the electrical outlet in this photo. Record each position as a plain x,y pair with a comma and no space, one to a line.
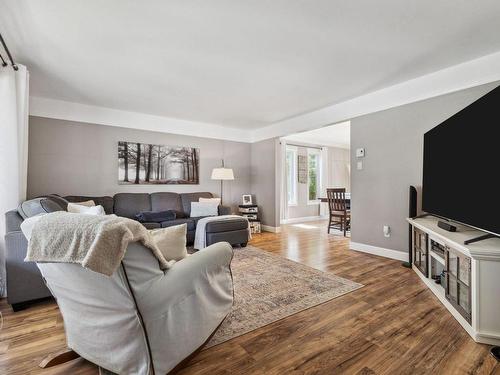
359,165
387,231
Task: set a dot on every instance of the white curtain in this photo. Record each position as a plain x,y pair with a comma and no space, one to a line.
14,96
325,179
283,185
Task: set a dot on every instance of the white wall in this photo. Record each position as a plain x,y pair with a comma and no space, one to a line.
339,160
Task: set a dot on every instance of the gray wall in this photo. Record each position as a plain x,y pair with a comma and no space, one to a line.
393,140
264,171
78,158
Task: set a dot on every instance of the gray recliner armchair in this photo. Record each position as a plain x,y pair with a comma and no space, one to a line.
143,320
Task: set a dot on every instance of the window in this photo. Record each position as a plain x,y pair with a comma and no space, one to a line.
314,167
291,175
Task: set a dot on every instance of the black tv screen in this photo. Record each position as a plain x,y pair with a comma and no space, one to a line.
461,174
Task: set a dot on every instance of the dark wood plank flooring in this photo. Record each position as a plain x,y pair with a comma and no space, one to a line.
393,325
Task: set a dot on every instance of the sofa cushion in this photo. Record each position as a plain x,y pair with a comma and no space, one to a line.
226,225
130,204
191,224
155,217
37,206
104,201
187,198
150,225
164,201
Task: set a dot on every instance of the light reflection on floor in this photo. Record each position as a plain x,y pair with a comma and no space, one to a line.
309,243
305,226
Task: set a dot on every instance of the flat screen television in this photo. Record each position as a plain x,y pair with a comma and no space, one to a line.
461,174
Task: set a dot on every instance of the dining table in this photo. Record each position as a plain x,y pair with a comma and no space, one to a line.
347,200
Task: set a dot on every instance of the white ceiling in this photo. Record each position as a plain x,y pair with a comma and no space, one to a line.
337,135
240,64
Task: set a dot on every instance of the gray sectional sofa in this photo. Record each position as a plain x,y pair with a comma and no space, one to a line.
24,282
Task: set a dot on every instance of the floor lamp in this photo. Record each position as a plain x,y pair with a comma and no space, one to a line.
222,174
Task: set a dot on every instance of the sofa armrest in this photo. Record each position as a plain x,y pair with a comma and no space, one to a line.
214,258
24,281
224,210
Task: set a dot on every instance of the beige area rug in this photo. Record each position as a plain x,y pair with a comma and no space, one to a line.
268,288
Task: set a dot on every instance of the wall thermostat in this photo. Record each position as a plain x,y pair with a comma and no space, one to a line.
360,152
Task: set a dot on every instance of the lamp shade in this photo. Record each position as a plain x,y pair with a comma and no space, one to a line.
222,174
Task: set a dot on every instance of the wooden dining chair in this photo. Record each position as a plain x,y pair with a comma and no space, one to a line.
340,216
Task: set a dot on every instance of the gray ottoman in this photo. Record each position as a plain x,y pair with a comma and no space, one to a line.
234,231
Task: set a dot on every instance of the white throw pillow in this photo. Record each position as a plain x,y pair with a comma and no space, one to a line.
210,200
79,209
28,224
203,209
89,203
171,241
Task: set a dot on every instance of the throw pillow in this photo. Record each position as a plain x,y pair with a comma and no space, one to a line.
155,217
89,203
171,241
210,200
59,200
203,209
79,209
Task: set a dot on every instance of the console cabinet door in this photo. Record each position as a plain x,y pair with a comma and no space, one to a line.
458,281
420,257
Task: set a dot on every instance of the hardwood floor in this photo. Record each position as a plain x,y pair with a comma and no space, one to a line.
393,325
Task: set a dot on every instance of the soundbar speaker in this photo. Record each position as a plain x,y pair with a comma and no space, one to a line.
447,226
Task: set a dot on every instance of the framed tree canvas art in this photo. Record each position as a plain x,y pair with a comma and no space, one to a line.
141,163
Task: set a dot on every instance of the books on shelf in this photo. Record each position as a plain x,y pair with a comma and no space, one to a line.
255,227
251,212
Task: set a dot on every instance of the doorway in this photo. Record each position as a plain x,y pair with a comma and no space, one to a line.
313,161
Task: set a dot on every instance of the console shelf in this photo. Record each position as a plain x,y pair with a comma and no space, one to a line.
470,287
438,258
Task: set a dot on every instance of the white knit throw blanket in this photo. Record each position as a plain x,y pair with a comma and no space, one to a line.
98,243
200,238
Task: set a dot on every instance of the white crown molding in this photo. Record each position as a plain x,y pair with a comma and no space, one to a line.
458,77
63,110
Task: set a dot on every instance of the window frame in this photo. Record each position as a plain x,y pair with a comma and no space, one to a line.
293,178
317,152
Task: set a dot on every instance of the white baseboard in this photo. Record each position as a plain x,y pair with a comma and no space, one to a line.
303,219
380,251
268,228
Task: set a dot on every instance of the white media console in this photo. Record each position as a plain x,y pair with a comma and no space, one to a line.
470,287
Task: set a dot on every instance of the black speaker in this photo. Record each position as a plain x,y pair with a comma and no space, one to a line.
412,212
495,352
